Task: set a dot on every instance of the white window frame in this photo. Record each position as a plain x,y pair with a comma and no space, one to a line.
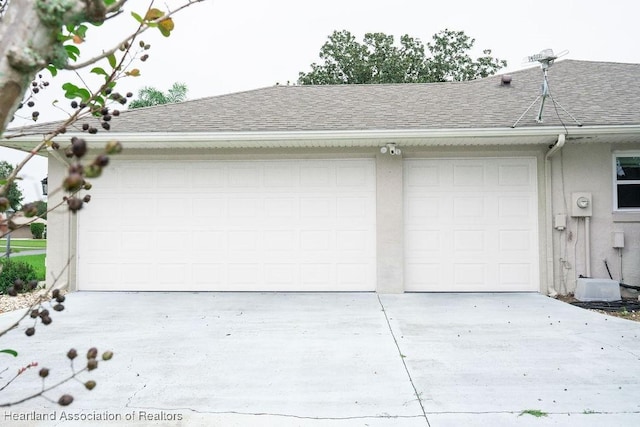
614,168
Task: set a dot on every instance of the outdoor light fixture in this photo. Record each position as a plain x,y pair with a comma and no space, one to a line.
45,186
391,149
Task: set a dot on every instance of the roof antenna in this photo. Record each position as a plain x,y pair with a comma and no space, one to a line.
545,58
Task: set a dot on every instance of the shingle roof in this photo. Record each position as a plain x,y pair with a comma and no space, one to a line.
595,93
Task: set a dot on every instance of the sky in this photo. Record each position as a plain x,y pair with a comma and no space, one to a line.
226,46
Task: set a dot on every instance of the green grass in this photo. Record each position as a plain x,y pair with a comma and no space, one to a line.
37,261
535,412
18,245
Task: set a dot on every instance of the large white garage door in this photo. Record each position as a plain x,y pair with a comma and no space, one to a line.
471,225
304,225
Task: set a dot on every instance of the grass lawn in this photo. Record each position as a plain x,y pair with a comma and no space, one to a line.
37,261
18,245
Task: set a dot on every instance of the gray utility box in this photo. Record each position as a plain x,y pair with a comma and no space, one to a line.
597,290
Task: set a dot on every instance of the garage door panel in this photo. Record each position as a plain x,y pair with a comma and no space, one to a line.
514,241
209,274
516,276
102,273
173,273
317,177
476,230
255,225
278,208
468,175
514,176
137,273
278,275
422,176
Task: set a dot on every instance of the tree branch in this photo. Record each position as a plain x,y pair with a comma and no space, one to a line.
44,390
38,302
141,29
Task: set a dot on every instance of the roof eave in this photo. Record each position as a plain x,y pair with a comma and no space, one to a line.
354,138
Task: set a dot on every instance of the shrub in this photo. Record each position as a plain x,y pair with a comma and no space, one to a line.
37,229
12,270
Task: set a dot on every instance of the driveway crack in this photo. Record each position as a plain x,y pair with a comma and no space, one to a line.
134,395
276,414
404,363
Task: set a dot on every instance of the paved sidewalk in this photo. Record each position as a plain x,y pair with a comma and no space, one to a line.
331,359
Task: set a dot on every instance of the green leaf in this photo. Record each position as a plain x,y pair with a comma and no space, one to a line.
112,60
84,94
137,17
99,71
166,26
72,51
70,87
62,38
153,14
81,31
71,90
53,70
11,352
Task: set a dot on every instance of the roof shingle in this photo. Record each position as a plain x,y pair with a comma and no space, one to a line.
595,93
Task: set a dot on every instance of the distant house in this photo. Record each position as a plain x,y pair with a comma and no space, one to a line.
22,224
390,188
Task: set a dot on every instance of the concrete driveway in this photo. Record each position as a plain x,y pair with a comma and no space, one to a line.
331,359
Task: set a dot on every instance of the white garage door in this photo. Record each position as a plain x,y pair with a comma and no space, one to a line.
304,225
471,225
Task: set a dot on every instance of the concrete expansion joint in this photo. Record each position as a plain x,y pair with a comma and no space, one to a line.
404,363
275,414
520,412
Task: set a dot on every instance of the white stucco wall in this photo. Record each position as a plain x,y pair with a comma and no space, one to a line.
60,257
587,167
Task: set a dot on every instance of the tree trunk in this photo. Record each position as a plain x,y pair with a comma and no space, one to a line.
28,34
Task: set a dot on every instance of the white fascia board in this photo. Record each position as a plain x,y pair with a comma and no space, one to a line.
355,138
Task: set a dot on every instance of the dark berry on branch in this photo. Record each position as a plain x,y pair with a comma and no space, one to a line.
79,147
92,353
102,160
65,400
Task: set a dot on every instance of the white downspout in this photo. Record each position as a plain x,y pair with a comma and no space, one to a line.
551,290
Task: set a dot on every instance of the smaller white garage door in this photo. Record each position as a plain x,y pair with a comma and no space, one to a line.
471,225
303,225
